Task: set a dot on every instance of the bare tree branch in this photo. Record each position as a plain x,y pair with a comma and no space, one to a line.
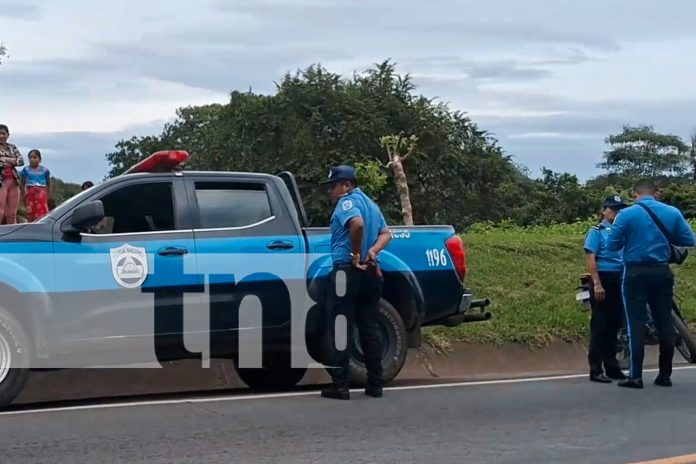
397,147
410,150
389,151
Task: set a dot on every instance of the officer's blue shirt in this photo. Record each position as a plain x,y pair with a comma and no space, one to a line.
354,204
596,243
641,239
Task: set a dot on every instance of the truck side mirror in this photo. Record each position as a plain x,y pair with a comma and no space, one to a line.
85,216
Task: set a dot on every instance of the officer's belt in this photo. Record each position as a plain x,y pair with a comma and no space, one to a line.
647,264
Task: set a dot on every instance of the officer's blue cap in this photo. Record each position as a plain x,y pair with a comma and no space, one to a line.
614,201
341,173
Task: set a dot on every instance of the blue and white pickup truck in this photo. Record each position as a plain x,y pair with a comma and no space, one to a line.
107,273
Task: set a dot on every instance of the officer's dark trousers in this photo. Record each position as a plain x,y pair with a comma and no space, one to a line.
649,285
607,318
354,294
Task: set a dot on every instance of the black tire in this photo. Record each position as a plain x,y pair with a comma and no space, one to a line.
623,357
687,347
395,349
276,375
14,351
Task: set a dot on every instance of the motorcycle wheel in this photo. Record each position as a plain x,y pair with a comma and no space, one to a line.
622,354
686,345
623,357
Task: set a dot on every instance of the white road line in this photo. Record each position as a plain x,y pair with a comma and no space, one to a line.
309,393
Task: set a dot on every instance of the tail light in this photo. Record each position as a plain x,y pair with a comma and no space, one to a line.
457,252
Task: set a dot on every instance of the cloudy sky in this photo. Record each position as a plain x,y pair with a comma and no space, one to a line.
550,78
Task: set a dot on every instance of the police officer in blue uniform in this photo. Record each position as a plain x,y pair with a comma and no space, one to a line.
648,279
358,233
605,268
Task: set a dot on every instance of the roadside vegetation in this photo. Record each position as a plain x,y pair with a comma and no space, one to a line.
530,276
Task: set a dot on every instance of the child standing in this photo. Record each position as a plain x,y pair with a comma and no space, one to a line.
36,186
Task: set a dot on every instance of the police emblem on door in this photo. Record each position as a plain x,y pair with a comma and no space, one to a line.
129,265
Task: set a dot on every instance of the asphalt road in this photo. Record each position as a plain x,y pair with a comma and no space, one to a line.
560,420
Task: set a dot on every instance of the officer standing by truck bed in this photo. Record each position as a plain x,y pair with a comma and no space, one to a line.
358,233
648,278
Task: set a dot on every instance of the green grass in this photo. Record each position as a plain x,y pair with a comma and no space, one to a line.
530,276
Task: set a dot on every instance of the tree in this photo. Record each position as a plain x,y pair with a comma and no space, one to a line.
682,196
641,152
63,190
398,150
692,156
557,198
372,179
3,52
317,118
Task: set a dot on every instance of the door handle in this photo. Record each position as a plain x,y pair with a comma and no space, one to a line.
280,245
172,251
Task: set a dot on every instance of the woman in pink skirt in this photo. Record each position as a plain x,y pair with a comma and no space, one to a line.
10,158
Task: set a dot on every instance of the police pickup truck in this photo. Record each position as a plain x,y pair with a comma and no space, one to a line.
157,262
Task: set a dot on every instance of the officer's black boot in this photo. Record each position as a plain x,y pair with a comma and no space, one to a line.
374,391
631,383
336,392
665,362
339,388
601,378
374,379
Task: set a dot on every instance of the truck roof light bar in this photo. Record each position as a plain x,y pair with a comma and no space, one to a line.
161,161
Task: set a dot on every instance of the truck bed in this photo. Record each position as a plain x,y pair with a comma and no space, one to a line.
417,254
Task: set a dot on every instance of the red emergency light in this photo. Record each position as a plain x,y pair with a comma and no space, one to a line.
161,161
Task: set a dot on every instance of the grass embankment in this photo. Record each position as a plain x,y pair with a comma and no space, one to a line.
530,276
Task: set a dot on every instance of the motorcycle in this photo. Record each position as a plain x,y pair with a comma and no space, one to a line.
685,342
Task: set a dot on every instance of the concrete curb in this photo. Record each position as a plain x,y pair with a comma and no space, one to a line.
464,362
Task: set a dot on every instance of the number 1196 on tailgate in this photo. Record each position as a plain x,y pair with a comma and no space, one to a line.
436,257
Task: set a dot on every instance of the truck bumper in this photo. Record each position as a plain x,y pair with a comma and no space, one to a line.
469,310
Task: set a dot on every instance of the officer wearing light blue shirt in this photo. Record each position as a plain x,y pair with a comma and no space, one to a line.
605,267
596,243
358,233
354,204
648,279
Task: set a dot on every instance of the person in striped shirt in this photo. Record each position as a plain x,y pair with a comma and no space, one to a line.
10,159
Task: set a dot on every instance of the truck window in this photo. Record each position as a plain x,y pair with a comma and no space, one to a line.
138,208
224,205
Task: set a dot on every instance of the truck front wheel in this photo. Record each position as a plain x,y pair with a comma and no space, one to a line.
394,347
14,351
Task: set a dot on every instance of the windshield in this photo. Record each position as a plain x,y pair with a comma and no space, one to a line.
65,206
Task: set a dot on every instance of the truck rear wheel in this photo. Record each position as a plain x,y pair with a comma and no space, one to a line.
13,352
393,334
